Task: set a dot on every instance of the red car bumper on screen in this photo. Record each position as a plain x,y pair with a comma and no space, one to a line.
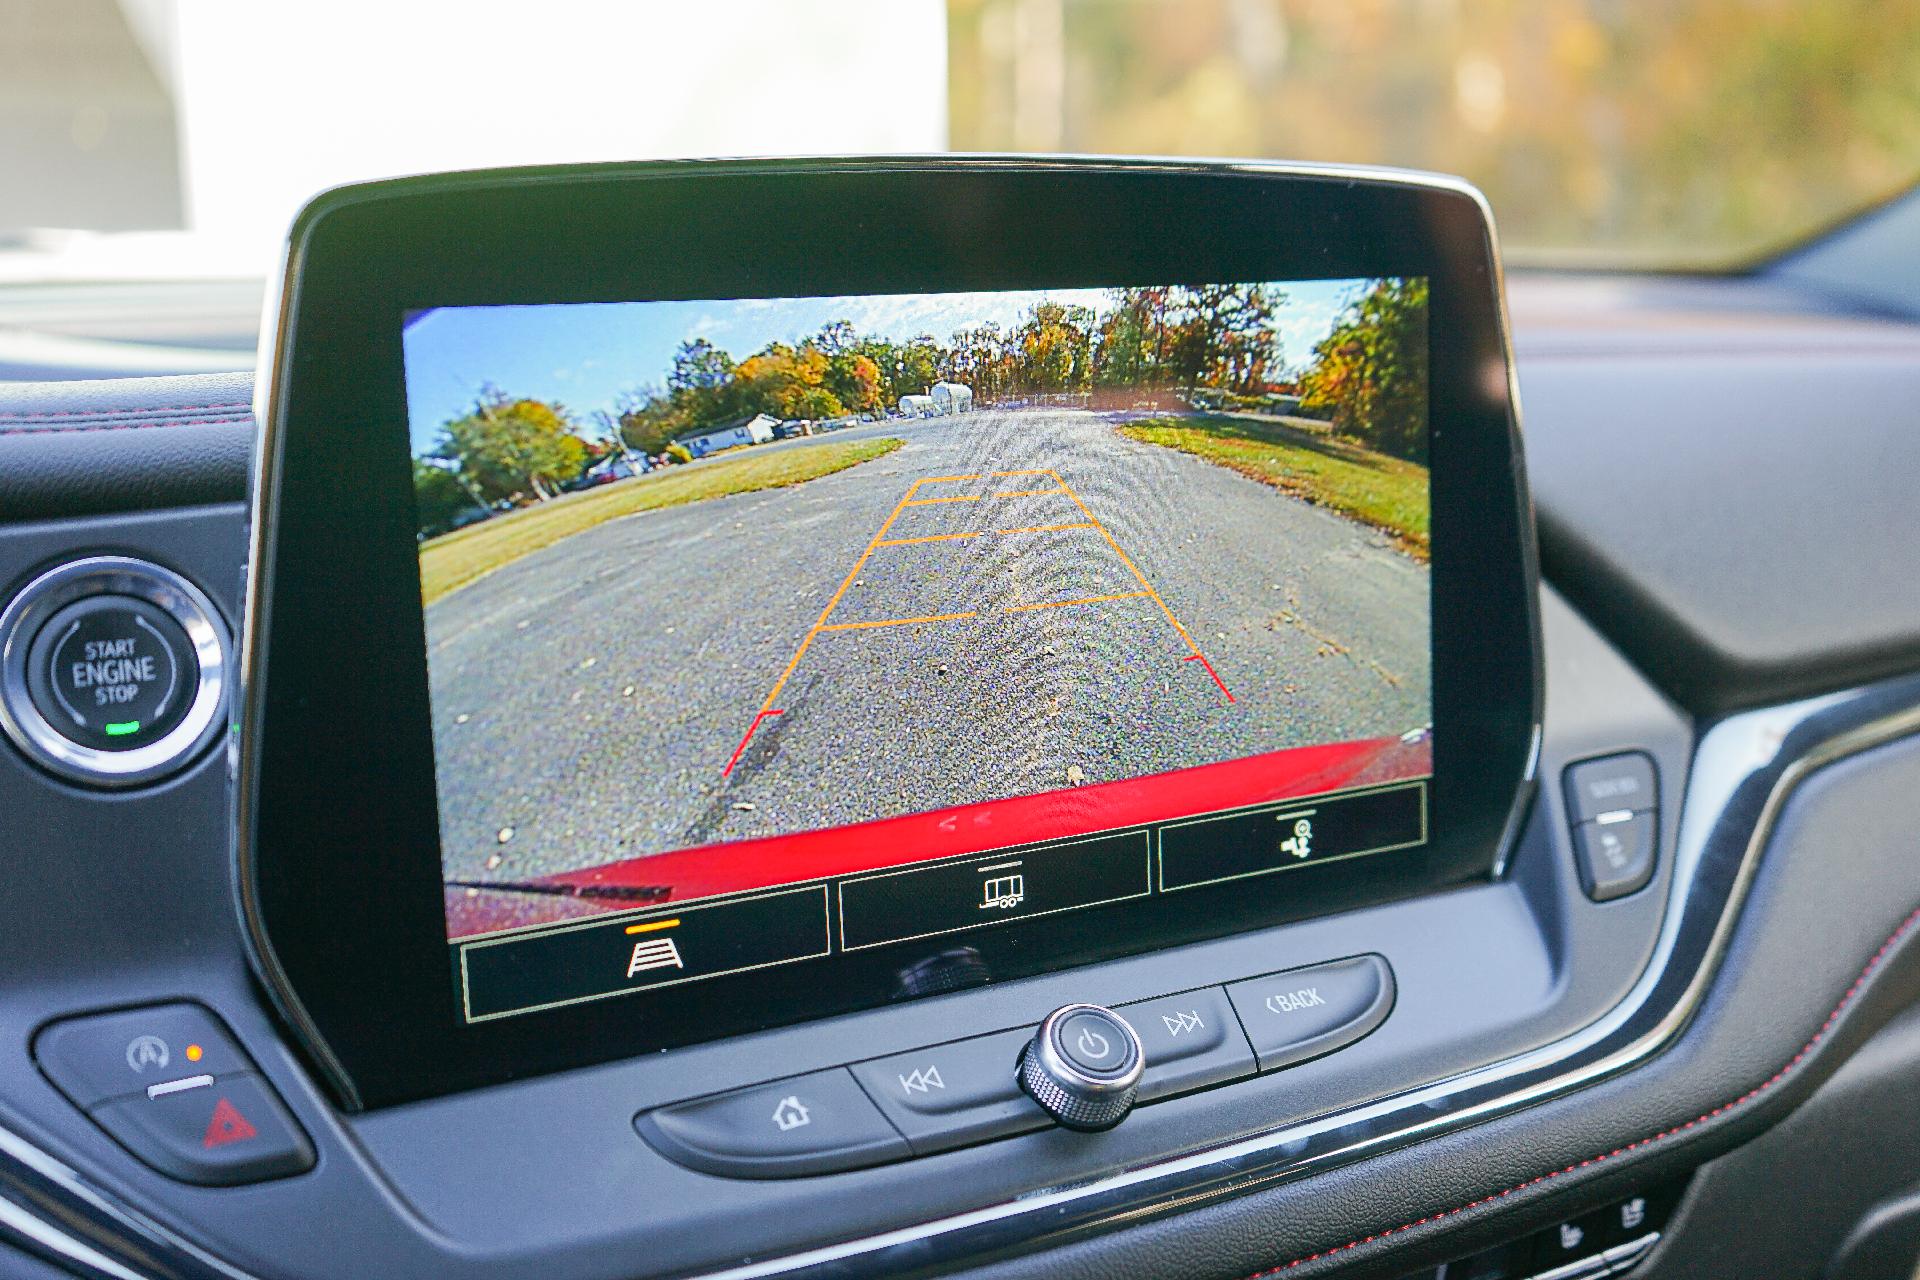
709,870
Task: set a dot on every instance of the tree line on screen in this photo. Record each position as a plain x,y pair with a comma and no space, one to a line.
1368,377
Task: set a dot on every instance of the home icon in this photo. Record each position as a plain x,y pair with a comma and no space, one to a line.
791,1114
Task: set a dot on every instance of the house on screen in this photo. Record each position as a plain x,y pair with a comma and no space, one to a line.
755,430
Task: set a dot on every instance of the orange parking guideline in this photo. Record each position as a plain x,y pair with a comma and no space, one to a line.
1061,604
767,707
1148,586
932,537
880,539
1047,528
895,622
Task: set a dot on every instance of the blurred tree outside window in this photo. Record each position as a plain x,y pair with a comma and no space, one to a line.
1678,132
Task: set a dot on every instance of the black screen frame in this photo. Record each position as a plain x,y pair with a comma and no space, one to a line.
338,834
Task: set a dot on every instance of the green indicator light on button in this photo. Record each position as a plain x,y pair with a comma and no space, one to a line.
122,728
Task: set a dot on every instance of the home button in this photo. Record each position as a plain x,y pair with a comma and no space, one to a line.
818,1123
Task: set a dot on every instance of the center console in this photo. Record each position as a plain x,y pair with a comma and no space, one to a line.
842,694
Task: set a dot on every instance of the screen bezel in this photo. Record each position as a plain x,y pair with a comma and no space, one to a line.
337,805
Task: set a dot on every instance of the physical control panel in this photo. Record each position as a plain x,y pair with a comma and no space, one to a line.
1088,1065
171,1086
1613,804
1607,1242
112,671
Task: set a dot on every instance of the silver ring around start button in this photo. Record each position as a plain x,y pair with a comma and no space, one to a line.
77,580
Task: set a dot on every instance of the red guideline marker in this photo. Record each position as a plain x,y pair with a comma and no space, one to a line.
742,748
1201,658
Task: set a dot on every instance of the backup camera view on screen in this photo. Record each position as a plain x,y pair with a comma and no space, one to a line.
761,630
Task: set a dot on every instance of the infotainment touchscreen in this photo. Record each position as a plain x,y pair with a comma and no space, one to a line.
765,629
693,599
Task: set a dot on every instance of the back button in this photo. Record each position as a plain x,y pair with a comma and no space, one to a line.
1303,1013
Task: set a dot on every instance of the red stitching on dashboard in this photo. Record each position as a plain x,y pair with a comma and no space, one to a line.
13,415
1793,1064
119,426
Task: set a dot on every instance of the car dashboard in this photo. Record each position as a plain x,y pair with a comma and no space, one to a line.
1667,1027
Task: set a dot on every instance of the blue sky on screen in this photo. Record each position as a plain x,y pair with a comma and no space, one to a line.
585,354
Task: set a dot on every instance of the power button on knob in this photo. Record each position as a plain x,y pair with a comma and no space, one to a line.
1083,1067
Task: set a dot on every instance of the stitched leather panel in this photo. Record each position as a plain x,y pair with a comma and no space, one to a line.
123,444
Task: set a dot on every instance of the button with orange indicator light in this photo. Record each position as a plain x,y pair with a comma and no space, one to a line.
171,1086
108,1055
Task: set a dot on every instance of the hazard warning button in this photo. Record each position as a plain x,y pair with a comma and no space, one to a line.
216,1132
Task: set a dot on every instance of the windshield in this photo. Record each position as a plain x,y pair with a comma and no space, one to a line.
1662,132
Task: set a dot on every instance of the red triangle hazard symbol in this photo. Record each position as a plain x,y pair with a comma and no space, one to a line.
227,1125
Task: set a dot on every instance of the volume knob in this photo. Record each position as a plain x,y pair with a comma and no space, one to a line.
1083,1067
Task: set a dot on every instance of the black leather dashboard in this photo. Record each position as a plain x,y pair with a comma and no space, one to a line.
124,444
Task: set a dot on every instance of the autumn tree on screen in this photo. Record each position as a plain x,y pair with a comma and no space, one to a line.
509,446
1370,373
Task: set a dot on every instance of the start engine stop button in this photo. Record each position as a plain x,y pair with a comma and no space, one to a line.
112,672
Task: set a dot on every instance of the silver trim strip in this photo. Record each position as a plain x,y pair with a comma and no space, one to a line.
23,1225
71,1207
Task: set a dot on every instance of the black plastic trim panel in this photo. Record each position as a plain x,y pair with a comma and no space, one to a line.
1732,502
